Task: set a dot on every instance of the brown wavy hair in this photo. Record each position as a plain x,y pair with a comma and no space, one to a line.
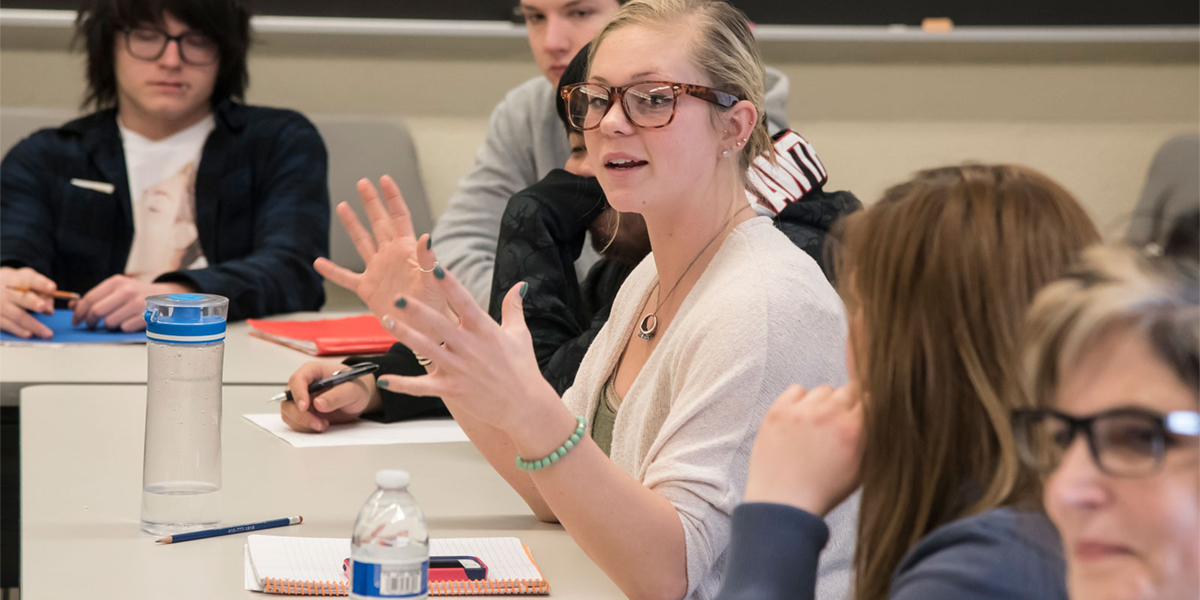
938,275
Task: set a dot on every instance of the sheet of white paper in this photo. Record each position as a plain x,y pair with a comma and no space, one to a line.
297,558
250,582
364,433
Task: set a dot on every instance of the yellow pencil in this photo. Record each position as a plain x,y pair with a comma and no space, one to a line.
63,295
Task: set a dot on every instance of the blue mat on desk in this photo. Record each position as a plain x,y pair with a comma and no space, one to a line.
65,333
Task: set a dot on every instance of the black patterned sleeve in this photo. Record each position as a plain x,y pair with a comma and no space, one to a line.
542,234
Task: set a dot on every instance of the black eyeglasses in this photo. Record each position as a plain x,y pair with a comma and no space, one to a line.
1124,442
647,104
195,49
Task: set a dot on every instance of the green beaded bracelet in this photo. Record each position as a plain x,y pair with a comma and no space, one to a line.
533,465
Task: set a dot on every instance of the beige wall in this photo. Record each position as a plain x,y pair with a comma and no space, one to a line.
1093,124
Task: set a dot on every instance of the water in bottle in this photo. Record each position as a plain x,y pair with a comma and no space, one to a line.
181,470
390,547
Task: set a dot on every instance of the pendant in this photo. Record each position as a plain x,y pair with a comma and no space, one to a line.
647,326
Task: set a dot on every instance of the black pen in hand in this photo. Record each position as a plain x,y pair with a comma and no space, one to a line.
337,378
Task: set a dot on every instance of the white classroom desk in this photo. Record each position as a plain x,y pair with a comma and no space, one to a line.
248,361
81,481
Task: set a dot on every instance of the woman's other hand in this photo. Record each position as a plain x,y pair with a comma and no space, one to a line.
808,450
339,404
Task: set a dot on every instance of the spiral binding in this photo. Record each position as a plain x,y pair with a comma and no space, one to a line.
489,586
272,585
436,588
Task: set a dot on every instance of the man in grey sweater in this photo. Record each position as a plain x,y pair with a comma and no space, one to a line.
525,141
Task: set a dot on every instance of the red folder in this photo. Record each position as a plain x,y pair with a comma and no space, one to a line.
351,335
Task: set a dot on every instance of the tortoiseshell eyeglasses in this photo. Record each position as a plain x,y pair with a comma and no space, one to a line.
648,104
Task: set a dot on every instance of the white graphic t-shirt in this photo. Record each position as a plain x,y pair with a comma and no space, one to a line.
162,186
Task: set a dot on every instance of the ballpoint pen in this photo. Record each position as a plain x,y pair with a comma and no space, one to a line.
337,378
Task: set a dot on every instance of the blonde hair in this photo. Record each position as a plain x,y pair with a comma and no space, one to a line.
1115,289
940,272
722,48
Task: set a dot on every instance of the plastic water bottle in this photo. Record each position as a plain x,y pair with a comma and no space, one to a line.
181,472
390,547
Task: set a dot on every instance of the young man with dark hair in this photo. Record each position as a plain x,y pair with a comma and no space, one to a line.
172,186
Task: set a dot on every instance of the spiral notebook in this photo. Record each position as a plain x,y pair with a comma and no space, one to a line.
313,566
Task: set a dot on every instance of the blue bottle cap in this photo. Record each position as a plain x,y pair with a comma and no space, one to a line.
186,318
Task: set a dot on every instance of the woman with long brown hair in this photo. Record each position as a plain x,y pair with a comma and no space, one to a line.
936,277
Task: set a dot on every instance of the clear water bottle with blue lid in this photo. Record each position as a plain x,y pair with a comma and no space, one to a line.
181,469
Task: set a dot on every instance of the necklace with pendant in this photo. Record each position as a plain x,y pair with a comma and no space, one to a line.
649,323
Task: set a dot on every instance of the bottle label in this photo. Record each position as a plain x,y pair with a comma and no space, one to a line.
403,580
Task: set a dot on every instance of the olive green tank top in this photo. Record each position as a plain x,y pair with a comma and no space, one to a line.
606,415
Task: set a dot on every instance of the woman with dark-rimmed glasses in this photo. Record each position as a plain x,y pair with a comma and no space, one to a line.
643,459
1111,360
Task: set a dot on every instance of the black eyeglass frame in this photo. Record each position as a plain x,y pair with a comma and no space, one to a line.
712,95
167,39
1183,423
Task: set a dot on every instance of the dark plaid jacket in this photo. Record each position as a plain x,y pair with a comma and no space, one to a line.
262,208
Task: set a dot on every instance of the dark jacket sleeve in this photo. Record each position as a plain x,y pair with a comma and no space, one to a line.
542,234
998,555
27,226
773,553
290,229
599,289
399,360
1002,554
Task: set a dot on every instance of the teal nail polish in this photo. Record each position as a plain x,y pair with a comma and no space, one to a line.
381,383
429,242
439,272
401,303
524,289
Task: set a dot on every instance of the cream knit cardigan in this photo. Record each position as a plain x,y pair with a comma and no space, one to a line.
761,317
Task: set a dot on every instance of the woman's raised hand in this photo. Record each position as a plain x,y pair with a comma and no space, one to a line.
479,367
397,262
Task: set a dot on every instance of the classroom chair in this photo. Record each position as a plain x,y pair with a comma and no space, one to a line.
1172,188
366,146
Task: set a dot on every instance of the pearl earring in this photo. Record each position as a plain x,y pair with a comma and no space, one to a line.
725,153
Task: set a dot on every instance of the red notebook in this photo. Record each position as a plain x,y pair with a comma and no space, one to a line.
351,335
